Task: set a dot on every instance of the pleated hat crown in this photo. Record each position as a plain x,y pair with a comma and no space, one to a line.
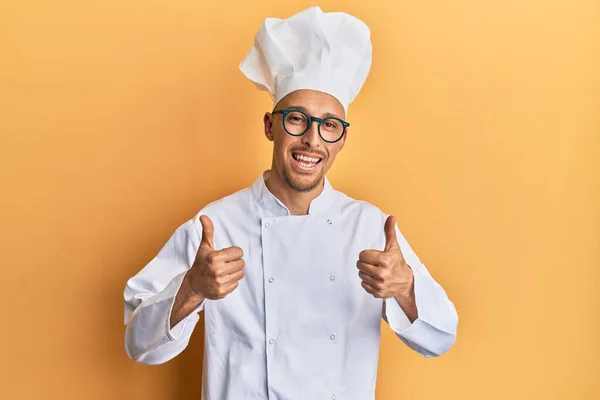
328,52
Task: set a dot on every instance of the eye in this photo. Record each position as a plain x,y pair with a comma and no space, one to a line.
331,125
296,118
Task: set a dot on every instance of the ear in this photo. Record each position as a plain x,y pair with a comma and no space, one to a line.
268,121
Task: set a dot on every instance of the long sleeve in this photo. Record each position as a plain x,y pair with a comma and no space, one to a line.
149,298
434,331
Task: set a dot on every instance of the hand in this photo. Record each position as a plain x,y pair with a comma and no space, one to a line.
385,273
215,273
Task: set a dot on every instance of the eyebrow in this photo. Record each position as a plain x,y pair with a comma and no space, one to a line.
306,111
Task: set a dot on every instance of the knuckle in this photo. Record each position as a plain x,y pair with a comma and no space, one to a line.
211,257
374,277
384,260
212,272
384,274
219,281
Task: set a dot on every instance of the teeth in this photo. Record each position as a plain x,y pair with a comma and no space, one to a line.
307,159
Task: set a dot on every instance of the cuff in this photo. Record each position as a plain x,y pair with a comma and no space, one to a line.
395,316
150,327
175,332
432,308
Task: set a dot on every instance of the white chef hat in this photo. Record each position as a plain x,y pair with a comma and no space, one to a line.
328,52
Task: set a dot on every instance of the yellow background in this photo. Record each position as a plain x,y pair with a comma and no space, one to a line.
478,128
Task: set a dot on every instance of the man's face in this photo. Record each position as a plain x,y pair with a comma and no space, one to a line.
303,161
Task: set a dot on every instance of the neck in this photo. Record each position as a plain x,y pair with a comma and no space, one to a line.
298,203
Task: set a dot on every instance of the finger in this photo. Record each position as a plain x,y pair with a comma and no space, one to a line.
232,287
370,289
391,241
208,232
236,276
221,271
369,269
370,256
232,267
226,279
228,254
373,282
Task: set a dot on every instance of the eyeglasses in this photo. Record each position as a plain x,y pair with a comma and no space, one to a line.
297,123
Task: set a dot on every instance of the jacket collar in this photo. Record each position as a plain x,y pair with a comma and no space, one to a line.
272,204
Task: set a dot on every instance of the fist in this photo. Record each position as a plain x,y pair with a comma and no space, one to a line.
215,273
385,274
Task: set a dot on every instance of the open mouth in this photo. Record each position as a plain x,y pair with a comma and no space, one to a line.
306,162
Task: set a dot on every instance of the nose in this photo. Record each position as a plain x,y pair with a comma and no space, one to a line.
311,137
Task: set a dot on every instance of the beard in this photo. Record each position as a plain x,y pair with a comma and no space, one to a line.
301,183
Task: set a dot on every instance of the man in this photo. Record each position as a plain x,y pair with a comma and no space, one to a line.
293,276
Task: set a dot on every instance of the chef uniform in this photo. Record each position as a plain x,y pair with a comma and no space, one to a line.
299,325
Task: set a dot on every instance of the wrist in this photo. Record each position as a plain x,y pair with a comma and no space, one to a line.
408,293
188,288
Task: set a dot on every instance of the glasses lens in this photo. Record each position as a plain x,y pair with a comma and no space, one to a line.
331,129
295,123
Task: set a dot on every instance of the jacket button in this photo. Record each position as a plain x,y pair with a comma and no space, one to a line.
271,280
268,225
329,222
332,278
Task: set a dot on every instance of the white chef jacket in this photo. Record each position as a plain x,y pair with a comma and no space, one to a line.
299,325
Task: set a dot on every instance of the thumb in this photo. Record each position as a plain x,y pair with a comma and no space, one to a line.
391,242
208,232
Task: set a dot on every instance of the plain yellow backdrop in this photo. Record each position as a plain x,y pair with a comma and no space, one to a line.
478,128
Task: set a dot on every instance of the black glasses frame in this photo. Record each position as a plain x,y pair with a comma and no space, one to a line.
310,120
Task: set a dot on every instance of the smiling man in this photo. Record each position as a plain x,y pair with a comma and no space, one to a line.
293,276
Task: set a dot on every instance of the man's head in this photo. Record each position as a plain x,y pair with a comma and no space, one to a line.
316,62
302,161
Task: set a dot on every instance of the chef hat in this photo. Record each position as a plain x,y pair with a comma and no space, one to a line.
328,52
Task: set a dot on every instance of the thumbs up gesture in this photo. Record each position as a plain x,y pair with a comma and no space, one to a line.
215,273
386,274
